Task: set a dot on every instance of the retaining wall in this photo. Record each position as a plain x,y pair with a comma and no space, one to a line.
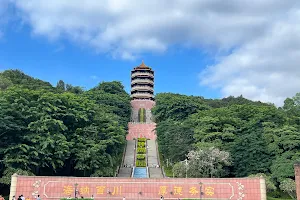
54,188
139,130
137,104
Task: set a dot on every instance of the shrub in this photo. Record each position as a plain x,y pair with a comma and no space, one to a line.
142,115
142,139
141,150
289,186
141,144
141,157
141,163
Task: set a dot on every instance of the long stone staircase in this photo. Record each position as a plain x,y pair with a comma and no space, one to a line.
141,130
153,160
129,161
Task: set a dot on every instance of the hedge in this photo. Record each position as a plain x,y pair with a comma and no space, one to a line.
141,157
142,139
142,115
141,144
141,150
140,163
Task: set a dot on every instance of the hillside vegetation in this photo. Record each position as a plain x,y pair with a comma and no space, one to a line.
231,137
60,130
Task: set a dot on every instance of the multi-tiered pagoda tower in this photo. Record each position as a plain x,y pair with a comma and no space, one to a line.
142,83
142,124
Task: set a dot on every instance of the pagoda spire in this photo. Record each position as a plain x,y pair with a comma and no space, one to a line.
142,82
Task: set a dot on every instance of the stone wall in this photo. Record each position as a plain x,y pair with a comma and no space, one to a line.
297,180
138,130
147,104
54,188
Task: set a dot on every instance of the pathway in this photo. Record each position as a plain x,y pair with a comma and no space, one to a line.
128,163
154,172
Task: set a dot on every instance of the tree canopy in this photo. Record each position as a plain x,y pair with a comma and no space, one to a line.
260,138
60,130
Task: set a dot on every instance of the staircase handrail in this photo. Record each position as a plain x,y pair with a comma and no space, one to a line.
124,153
147,171
141,122
158,160
146,153
163,172
132,172
117,171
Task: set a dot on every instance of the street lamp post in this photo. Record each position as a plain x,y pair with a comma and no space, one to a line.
76,184
186,167
201,193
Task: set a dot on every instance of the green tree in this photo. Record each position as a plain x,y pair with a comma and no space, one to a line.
203,163
114,87
61,85
175,139
177,107
4,82
250,152
74,89
18,78
68,134
269,183
289,186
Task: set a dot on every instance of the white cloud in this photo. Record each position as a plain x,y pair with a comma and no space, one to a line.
131,27
259,39
265,68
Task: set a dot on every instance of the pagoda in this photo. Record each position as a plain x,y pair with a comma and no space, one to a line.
142,83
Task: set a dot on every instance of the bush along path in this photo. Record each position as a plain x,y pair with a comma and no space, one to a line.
141,153
142,115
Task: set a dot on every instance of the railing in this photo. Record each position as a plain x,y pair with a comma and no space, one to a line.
143,100
158,159
147,155
142,81
163,172
141,88
124,153
141,74
117,171
147,71
141,123
147,171
142,95
132,172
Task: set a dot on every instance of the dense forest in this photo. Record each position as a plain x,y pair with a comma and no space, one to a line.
66,130
60,130
231,137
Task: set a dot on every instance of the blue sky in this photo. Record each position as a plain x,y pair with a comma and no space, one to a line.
210,48
177,70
